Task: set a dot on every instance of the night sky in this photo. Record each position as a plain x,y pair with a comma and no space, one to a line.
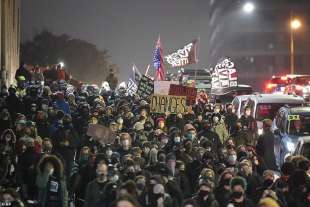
128,29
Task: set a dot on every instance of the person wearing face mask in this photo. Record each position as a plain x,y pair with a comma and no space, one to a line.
230,118
231,160
238,196
269,186
240,137
42,124
252,179
190,132
265,146
7,143
222,192
249,123
205,195
5,120
125,139
51,183
95,189
218,126
159,198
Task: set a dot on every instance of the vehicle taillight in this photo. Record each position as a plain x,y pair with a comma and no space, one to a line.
271,85
284,78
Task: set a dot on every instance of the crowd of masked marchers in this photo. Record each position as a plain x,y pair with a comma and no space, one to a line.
206,157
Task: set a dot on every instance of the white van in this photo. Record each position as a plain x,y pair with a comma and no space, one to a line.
264,106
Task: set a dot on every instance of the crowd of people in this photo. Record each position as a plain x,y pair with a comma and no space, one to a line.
206,157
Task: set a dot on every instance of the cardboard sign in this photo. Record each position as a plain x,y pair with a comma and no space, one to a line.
145,88
189,92
165,103
163,87
100,133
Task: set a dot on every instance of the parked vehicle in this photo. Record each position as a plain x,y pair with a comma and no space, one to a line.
303,147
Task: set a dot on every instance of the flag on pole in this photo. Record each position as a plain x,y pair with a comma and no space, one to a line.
131,87
136,74
184,56
158,61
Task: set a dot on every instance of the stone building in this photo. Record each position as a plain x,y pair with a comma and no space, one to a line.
10,39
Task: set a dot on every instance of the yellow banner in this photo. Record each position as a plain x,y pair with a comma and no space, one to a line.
165,103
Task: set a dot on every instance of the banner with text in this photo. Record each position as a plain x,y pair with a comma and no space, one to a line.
224,74
163,87
189,92
184,56
145,88
166,103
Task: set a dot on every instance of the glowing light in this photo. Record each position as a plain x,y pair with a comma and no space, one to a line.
248,7
62,64
295,24
271,85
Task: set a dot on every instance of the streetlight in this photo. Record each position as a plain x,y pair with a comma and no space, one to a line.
61,64
248,7
295,25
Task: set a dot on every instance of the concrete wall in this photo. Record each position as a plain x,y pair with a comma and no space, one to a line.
10,38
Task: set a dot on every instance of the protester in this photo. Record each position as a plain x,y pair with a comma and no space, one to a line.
73,145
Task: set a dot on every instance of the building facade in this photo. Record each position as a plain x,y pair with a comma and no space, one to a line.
10,39
259,41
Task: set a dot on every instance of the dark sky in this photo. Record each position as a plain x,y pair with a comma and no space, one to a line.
128,29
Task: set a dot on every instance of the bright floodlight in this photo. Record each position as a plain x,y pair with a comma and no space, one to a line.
248,7
295,24
62,64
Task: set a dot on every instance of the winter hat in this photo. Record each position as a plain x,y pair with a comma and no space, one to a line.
161,119
238,181
268,173
138,126
267,123
189,127
268,202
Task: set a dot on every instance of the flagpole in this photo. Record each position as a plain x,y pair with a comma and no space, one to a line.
147,69
197,55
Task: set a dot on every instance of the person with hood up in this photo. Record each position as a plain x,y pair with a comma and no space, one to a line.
51,183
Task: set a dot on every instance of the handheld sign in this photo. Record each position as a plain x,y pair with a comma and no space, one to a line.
165,103
145,88
189,92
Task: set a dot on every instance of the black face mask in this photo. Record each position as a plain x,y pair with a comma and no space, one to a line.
226,182
268,183
203,193
158,196
140,186
237,194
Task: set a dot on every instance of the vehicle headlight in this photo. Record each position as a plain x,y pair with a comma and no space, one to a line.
290,146
259,131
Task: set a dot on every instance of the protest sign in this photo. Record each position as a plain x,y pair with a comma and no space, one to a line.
165,103
100,133
162,87
224,74
189,92
145,88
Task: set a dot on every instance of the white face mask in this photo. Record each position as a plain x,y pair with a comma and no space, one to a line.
109,153
177,139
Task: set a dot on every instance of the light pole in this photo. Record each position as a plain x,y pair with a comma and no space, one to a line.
295,24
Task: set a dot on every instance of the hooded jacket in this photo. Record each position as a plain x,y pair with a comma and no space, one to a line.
43,181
